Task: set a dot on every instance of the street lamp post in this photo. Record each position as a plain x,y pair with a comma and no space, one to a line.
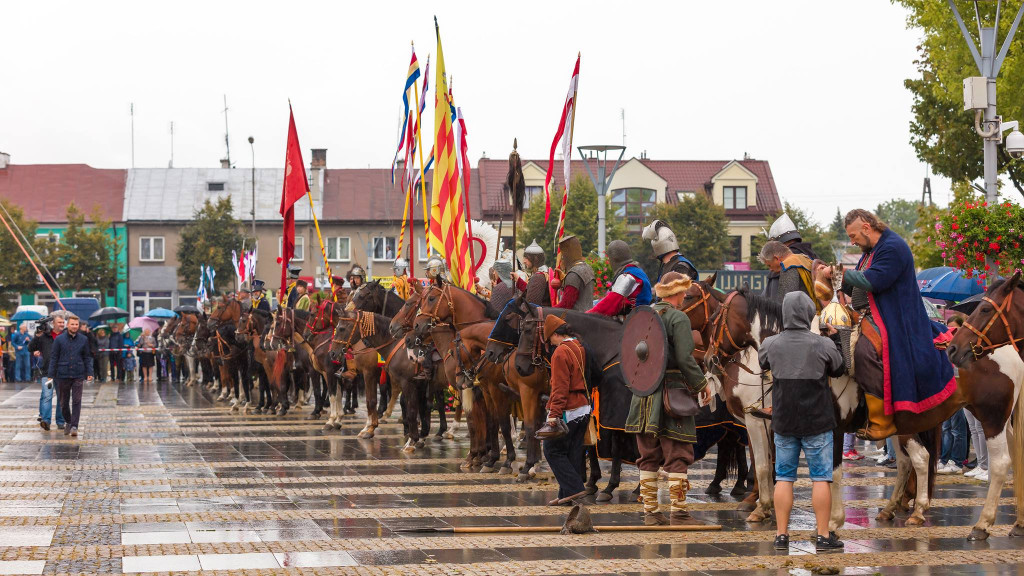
253,149
601,182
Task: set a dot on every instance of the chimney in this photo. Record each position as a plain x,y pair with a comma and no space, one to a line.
5,159
225,163
317,163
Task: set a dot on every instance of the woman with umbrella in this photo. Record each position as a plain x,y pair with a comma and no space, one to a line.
147,358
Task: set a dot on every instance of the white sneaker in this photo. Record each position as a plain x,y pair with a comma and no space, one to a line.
983,476
882,457
954,468
946,468
973,472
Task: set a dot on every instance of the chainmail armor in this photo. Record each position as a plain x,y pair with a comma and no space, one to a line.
581,277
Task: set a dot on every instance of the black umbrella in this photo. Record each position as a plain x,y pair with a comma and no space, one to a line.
108,313
186,309
968,305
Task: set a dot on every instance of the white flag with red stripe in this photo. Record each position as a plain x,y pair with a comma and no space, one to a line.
563,135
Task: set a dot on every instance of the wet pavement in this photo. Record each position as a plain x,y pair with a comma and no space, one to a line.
163,479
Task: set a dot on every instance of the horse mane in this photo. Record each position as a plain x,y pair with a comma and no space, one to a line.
769,311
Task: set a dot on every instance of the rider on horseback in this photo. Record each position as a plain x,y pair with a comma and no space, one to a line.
577,281
784,230
436,271
631,286
258,296
401,284
356,277
537,287
291,295
502,289
666,250
904,371
793,270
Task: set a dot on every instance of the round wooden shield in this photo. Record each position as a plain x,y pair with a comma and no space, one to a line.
644,351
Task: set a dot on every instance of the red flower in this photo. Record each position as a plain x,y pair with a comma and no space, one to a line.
955,226
986,267
993,246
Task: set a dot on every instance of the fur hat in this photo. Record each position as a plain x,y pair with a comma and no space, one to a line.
552,323
672,283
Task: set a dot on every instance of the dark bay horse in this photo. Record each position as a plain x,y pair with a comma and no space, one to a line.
316,340
227,353
374,297
364,335
255,332
289,325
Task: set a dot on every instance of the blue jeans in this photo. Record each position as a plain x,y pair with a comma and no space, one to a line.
954,438
46,406
817,451
23,367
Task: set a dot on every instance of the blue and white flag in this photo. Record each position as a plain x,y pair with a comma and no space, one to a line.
210,273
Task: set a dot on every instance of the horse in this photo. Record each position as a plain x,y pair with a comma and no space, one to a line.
289,325
988,352
255,331
183,345
610,395
363,335
317,337
374,297
222,323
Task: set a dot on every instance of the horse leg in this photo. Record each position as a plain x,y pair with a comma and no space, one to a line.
530,399
919,459
442,416
384,391
595,469
393,391
999,461
741,469
903,467
763,464
605,495
370,379
726,449
410,412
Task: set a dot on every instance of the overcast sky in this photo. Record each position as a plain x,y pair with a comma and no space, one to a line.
816,88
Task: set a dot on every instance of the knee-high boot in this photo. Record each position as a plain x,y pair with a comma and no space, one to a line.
678,485
649,497
880,425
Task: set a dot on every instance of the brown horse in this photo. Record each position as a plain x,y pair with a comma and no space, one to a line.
364,335
255,331
316,339
989,353
183,345
293,350
227,354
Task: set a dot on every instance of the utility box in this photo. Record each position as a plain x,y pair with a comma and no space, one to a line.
976,93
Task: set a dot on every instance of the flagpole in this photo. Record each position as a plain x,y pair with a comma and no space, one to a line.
565,192
323,251
412,227
423,180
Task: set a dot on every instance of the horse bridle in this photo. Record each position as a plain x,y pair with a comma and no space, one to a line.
1000,312
721,330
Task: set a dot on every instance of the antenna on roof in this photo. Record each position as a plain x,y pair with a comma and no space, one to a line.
133,133
622,111
171,163
227,143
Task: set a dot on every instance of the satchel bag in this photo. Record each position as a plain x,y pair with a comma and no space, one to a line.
678,403
590,436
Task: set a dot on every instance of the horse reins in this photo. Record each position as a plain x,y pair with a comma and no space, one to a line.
1000,312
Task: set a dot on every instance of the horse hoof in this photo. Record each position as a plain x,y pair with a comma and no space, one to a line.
438,438
604,497
757,516
533,471
313,416
465,467
746,506
738,491
487,469
420,443
980,534
409,449
885,516
1017,532
590,489
914,521
382,420
282,412
449,436
336,425
505,470
713,489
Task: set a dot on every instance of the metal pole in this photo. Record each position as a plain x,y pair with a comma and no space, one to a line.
601,206
988,50
253,148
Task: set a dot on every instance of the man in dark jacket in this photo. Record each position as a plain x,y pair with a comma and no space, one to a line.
40,348
802,413
70,364
116,363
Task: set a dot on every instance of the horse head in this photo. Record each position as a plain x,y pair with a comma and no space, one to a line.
346,332
740,322
997,321
530,349
700,303
506,331
435,308
402,322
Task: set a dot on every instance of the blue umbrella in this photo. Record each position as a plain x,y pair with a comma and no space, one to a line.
161,313
26,316
945,283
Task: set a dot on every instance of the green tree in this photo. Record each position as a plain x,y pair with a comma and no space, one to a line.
942,133
88,253
17,274
837,229
580,220
701,228
208,241
820,239
922,242
901,215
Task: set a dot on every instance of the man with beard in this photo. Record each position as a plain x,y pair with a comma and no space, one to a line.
906,372
784,230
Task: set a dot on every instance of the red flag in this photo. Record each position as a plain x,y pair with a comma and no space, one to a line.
295,187
565,137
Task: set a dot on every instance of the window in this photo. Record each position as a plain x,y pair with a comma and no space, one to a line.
300,248
532,191
187,301
339,249
634,205
151,249
51,237
735,249
684,195
734,197
384,248
421,250
214,186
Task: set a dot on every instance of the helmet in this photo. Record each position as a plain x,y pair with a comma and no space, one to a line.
357,270
572,251
503,269
662,238
618,254
837,315
784,230
435,267
401,265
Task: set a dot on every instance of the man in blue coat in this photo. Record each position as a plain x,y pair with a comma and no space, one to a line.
909,374
70,365
22,358
631,286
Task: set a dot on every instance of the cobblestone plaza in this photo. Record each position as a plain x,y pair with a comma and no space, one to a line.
161,479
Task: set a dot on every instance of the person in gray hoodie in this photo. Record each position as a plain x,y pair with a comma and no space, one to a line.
803,416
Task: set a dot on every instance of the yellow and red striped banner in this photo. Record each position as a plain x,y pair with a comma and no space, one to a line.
447,213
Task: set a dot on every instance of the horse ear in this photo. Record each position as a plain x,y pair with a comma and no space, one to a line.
710,280
1013,282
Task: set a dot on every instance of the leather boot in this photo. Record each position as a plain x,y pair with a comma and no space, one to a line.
649,497
880,424
678,485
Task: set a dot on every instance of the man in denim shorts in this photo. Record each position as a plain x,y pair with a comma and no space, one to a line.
803,416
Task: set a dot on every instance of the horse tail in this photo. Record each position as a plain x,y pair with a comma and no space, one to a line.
1017,452
279,365
932,442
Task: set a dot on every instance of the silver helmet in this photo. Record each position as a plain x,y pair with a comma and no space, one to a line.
401,266
784,229
661,237
534,249
435,267
618,254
